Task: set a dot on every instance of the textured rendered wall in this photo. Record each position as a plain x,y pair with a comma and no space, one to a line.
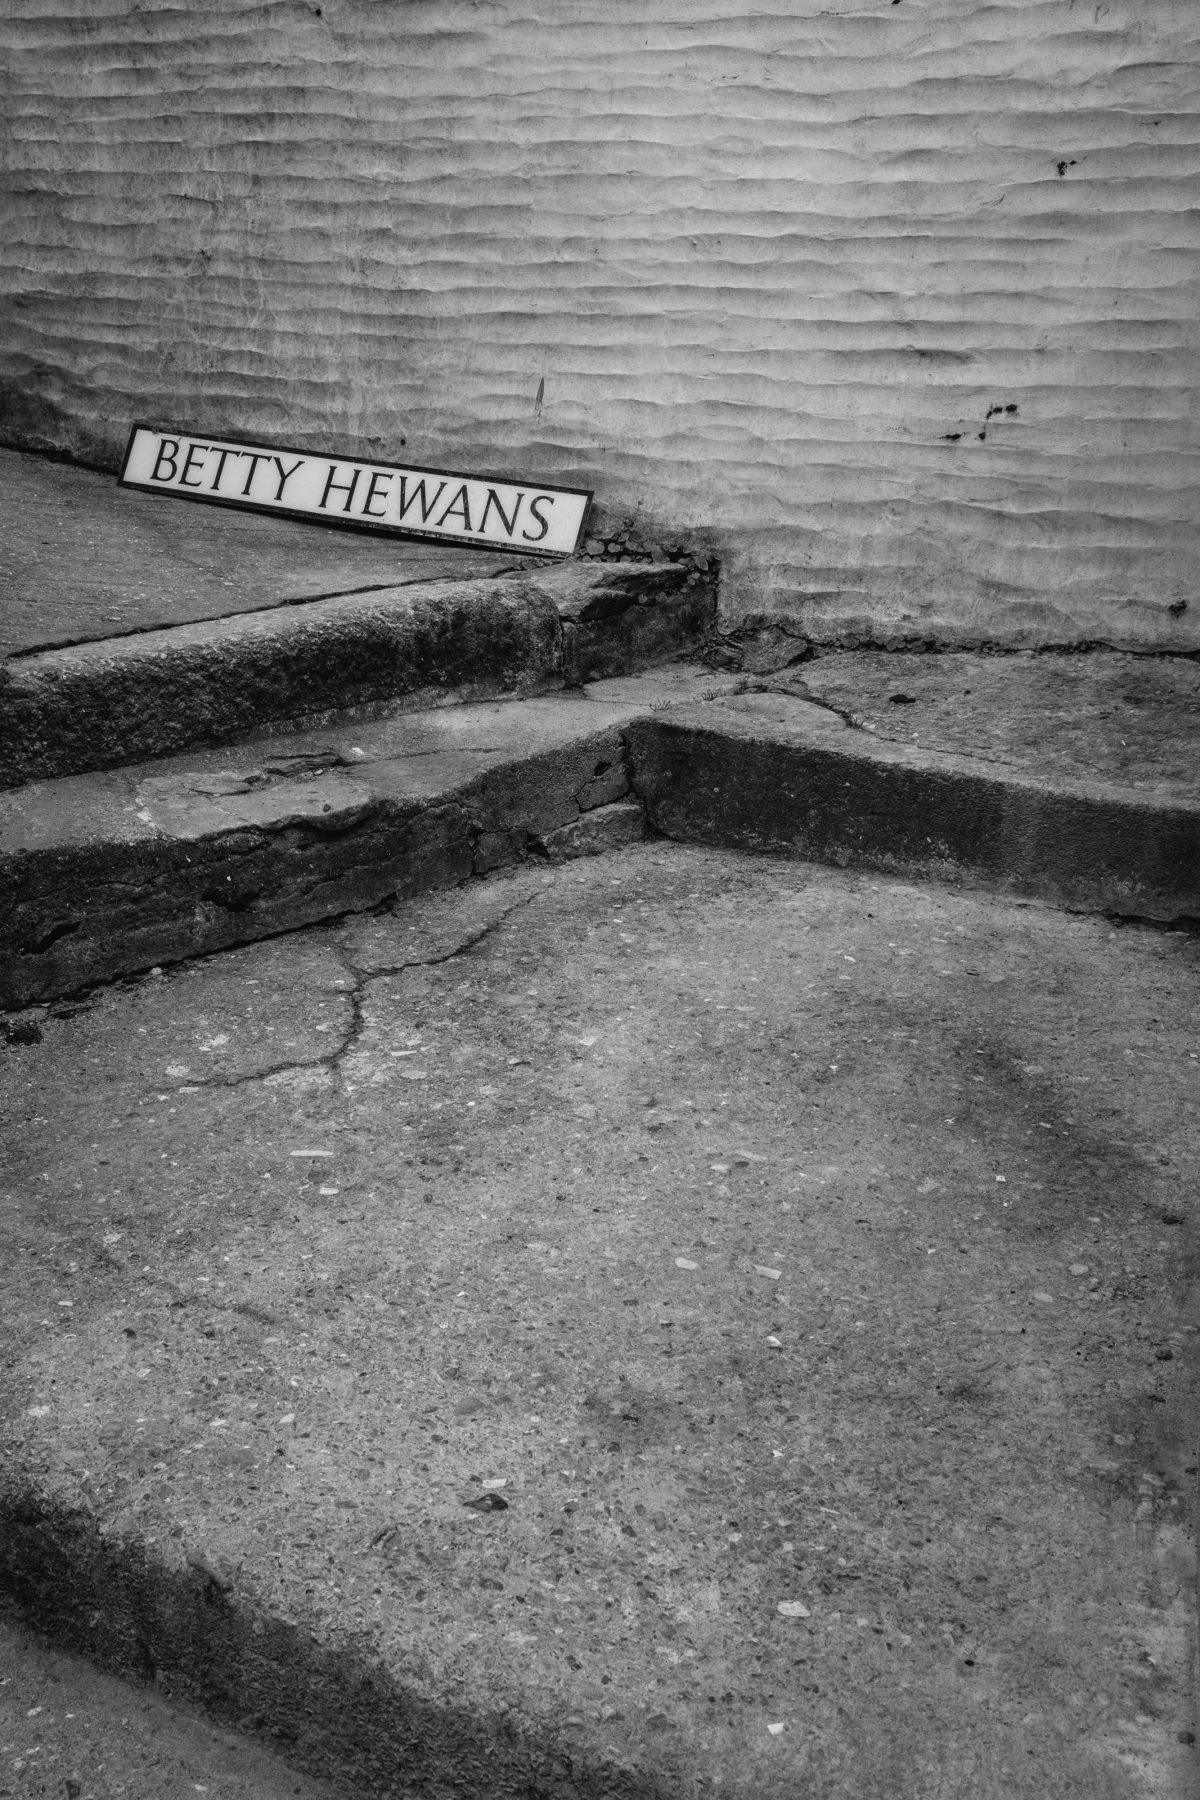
763,270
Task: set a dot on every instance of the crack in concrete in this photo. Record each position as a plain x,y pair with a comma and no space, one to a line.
856,722
331,1060
365,977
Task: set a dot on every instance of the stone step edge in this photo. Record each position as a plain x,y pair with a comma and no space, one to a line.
105,876
323,1705
767,772
122,700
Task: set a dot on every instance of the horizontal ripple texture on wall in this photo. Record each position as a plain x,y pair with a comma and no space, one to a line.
900,301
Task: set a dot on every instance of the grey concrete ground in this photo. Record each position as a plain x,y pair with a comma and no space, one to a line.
673,1324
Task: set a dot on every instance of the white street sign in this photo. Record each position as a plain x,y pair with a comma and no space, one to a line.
527,517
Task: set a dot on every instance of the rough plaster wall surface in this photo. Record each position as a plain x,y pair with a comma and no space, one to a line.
899,301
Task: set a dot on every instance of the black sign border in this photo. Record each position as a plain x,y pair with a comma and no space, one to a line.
371,528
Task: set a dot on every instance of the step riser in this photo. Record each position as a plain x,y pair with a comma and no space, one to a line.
1075,851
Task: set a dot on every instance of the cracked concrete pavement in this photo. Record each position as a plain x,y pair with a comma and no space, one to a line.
671,1324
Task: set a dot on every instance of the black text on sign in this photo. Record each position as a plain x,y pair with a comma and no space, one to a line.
427,503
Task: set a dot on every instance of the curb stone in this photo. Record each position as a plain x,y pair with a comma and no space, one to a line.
772,773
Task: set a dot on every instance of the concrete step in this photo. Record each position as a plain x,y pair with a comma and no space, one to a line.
104,702
114,871
106,873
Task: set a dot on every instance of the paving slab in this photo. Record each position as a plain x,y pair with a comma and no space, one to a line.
673,1324
83,558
